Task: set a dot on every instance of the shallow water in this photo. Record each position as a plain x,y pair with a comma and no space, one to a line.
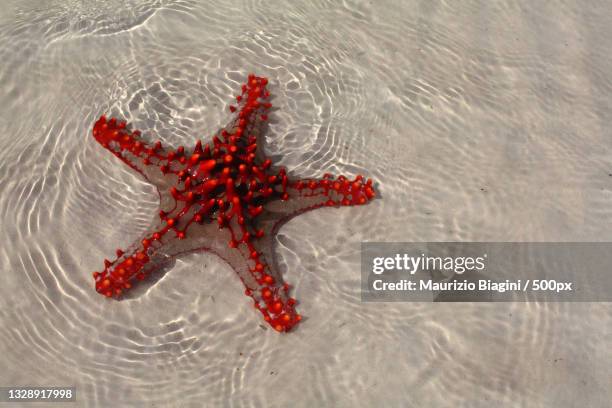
479,121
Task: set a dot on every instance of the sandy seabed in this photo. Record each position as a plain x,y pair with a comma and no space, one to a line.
480,121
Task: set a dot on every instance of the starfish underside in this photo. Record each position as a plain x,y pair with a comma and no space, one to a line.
225,197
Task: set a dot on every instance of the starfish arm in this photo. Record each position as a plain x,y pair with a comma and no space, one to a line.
262,281
147,159
298,196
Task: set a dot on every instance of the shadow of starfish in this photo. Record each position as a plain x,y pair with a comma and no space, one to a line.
225,197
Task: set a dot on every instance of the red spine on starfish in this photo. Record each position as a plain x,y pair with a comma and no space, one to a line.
225,197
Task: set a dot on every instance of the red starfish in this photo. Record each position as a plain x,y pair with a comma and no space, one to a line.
225,197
